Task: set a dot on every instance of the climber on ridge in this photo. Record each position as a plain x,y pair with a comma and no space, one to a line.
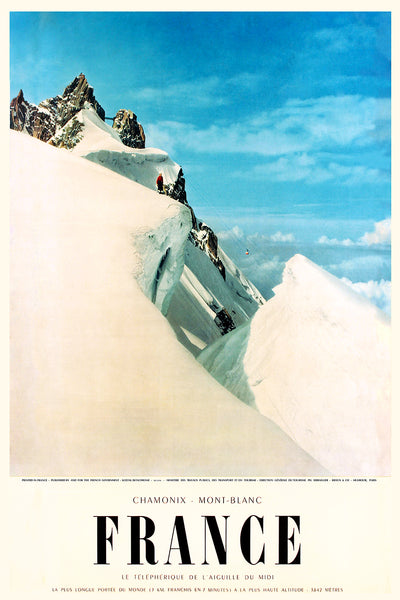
160,184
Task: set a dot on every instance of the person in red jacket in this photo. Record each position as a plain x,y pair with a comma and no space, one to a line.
160,183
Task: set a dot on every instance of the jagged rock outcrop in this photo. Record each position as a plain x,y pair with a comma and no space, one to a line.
177,189
69,135
37,121
204,238
73,100
130,131
43,121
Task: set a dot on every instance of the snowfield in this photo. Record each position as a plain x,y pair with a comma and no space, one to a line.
315,359
99,383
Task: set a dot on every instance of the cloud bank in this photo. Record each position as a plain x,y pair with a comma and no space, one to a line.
380,236
297,126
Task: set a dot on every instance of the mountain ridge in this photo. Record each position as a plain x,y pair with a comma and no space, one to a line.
75,121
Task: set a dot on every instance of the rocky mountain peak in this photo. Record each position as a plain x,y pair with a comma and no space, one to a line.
73,100
20,97
45,120
18,108
130,131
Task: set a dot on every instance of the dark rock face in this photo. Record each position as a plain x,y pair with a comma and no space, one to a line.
37,121
129,130
211,240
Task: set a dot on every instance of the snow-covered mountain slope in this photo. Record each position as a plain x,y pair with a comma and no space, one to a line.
89,239
316,360
99,383
75,121
100,143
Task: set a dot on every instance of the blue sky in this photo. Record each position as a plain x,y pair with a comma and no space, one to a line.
281,121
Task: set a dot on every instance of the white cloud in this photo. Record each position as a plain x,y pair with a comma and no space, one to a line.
380,235
312,170
162,136
202,92
334,242
264,272
246,80
294,167
231,234
377,292
282,237
329,119
361,267
354,174
256,238
343,39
